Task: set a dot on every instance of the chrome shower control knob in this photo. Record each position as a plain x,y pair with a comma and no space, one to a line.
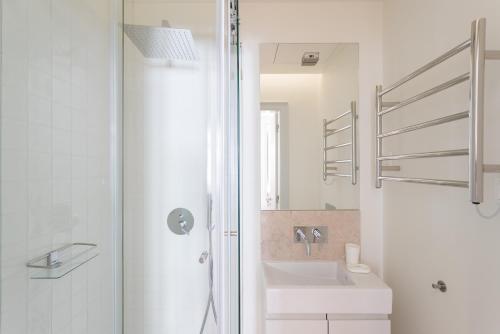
180,221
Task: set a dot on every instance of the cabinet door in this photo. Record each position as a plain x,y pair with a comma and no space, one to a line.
296,327
360,327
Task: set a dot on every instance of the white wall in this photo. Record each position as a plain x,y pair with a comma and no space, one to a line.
55,162
430,232
301,92
315,22
339,86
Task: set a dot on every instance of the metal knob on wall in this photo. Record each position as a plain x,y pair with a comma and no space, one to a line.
203,257
440,285
180,221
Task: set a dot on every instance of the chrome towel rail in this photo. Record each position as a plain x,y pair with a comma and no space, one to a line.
353,144
475,77
432,91
427,124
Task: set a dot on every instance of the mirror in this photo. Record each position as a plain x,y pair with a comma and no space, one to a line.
304,86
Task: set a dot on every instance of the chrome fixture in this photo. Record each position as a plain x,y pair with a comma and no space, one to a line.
316,235
328,169
319,234
310,235
209,255
232,233
180,221
440,285
300,236
162,42
53,259
184,227
475,78
203,257
61,261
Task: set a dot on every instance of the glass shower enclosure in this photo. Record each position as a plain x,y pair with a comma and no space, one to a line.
119,167
177,163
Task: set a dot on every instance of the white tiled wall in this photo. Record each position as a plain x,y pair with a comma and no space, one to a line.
55,162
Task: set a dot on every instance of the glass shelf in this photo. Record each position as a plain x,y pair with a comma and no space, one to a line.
60,262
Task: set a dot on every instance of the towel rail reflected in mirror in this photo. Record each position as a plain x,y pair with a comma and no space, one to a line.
329,168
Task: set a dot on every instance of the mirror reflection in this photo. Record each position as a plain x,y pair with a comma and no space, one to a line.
308,153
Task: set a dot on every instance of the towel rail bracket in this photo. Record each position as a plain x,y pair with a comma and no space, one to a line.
492,54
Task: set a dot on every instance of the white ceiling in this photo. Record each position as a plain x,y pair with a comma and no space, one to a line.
287,57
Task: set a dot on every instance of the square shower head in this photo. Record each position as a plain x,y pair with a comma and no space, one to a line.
162,42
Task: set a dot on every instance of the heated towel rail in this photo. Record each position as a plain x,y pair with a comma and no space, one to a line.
329,168
475,78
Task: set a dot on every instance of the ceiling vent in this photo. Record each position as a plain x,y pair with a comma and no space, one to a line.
310,58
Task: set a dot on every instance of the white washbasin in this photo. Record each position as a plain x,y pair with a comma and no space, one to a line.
323,287
306,274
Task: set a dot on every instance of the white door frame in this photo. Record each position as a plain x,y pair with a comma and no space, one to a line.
282,150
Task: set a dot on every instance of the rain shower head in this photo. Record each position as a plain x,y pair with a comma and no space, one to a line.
162,42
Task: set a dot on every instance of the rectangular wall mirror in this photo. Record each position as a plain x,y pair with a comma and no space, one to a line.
302,86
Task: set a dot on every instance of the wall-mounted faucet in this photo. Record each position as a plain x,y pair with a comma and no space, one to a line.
310,235
300,236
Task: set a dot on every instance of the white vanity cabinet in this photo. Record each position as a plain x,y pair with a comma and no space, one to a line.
359,326
296,326
323,298
344,326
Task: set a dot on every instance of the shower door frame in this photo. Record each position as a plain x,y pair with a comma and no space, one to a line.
116,151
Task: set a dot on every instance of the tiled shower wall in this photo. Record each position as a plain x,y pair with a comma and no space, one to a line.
278,238
55,162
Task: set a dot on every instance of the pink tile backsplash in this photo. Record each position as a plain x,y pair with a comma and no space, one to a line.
277,240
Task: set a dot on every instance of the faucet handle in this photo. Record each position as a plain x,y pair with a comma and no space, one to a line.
184,227
300,235
316,234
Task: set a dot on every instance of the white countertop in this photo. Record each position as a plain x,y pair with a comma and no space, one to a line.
317,287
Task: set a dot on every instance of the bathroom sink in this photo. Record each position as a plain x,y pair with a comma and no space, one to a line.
323,287
306,274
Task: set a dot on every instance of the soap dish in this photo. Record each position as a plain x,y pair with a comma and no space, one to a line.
358,268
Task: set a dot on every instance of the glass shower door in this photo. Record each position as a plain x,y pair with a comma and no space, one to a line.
176,186
56,212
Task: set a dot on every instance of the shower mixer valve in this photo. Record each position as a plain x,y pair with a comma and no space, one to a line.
180,221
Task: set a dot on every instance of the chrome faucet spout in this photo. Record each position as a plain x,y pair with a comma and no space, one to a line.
301,236
308,247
